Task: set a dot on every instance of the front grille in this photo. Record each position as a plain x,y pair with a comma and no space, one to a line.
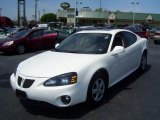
26,84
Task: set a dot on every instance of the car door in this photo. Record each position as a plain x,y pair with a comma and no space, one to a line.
34,40
119,60
49,38
133,49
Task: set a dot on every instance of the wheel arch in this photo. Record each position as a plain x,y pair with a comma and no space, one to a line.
145,51
101,71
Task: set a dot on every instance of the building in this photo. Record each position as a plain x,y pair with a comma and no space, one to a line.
88,17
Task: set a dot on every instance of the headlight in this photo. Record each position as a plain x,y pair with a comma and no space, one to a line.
8,43
65,79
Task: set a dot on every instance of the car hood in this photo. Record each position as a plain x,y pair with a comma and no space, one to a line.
50,64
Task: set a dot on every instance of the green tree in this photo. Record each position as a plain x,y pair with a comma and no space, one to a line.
49,17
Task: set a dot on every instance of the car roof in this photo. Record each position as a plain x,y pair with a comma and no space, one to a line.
109,31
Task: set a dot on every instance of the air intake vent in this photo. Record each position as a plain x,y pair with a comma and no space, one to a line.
19,81
27,83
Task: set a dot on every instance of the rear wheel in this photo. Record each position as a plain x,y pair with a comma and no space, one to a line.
155,42
97,89
143,64
20,49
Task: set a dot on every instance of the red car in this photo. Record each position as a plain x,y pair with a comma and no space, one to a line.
138,31
31,39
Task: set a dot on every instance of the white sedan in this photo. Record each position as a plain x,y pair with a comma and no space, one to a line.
81,68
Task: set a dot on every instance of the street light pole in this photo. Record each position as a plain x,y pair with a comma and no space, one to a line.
0,12
134,13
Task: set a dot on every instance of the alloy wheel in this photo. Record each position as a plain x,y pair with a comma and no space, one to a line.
20,49
98,90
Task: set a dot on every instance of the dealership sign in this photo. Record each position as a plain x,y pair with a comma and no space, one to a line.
65,5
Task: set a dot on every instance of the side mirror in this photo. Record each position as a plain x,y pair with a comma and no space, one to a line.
56,45
118,49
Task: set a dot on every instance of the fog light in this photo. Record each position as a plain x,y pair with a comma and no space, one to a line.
66,99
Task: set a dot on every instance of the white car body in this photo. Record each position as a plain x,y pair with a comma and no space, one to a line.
49,64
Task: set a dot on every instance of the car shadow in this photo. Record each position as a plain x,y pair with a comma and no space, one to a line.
80,110
4,80
28,52
123,84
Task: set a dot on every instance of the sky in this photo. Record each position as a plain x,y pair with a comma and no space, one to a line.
9,7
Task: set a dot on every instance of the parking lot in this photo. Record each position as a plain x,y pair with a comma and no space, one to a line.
135,98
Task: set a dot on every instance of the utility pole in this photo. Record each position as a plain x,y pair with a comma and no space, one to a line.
36,10
21,3
39,14
44,11
76,12
100,4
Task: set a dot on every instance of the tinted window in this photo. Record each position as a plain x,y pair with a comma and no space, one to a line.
48,32
118,40
86,43
21,34
36,34
129,39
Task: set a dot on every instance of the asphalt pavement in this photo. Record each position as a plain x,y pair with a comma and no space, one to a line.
137,97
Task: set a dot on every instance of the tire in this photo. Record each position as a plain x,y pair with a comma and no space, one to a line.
97,89
20,49
155,42
143,64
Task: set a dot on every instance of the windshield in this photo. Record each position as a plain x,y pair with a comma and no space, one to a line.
85,43
21,34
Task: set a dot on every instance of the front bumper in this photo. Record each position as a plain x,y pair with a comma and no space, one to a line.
52,95
7,49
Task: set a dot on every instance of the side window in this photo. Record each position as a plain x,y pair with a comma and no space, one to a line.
45,32
130,39
36,34
118,41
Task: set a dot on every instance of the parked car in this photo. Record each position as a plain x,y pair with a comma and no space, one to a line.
156,37
3,33
28,40
152,32
82,28
138,31
81,68
62,34
44,26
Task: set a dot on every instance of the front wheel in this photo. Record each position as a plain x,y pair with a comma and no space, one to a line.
97,89
20,49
